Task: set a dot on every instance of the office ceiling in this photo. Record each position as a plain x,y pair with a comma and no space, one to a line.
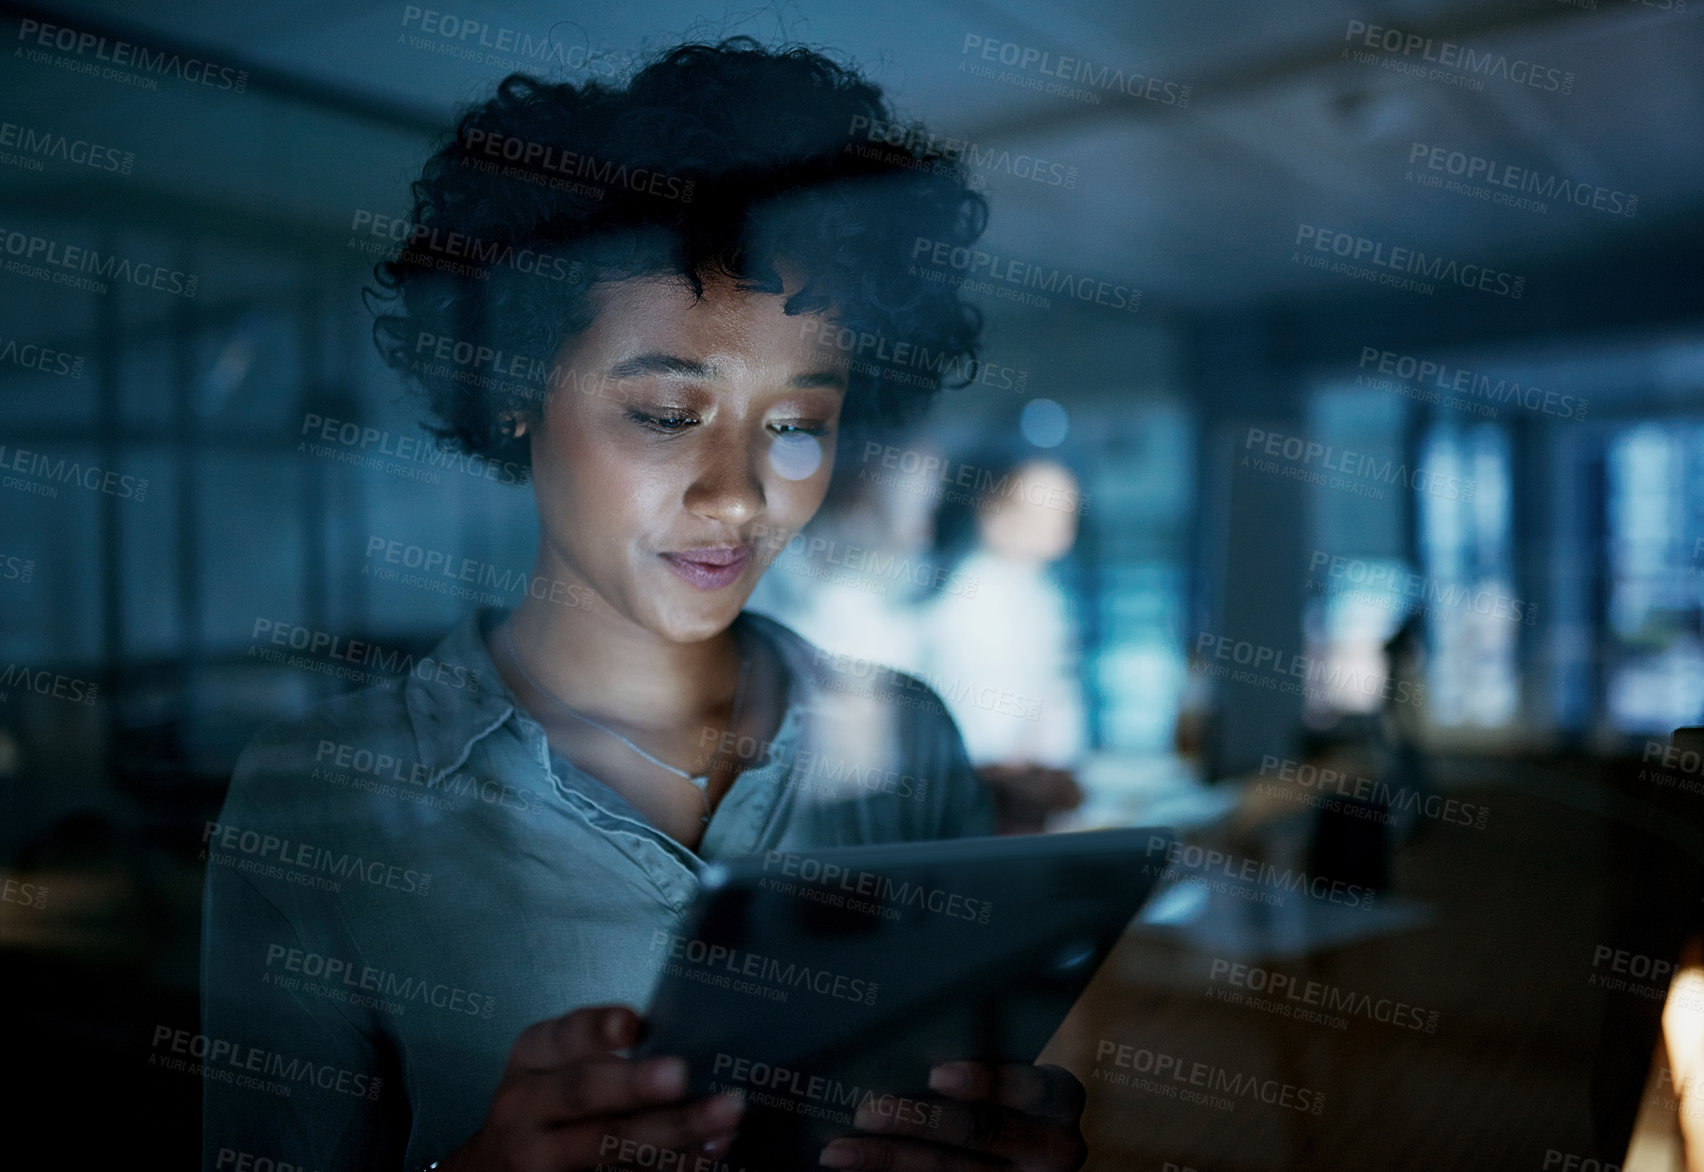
1197,206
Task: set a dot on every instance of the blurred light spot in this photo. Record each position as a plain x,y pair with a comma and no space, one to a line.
231,368
795,456
1044,423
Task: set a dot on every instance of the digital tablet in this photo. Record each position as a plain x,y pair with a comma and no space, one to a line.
818,981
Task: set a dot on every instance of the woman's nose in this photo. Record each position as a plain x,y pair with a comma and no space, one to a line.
729,486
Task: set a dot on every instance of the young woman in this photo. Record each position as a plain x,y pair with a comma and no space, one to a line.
430,909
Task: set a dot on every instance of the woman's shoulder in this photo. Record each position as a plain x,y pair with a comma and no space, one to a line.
838,687
405,728
829,673
375,718
362,734
884,735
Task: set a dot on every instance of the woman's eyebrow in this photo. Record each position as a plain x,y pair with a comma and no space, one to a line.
657,362
834,380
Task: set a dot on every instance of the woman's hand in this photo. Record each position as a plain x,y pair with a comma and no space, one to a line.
1009,1116
568,1101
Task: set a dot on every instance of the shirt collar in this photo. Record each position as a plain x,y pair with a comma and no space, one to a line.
455,697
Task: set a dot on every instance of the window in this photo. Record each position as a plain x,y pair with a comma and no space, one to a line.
1654,661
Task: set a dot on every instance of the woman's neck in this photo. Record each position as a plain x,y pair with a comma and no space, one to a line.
610,668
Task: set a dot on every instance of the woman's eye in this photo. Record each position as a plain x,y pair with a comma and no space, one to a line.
669,422
799,428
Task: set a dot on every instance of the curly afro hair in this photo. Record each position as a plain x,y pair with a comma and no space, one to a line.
714,160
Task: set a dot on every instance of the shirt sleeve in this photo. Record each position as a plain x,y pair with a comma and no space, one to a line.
288,1077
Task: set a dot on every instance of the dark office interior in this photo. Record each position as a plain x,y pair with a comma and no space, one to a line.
1311,470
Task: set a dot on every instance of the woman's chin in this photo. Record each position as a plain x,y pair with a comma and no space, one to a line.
695,620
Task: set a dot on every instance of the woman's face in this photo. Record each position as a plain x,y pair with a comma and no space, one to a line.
685,441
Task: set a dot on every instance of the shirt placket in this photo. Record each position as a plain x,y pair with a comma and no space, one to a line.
665,864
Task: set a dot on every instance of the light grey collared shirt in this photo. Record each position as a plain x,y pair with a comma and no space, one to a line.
404,878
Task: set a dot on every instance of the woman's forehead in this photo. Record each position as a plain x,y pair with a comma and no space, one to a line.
659,317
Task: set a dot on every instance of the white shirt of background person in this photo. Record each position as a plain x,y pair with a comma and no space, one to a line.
1001,649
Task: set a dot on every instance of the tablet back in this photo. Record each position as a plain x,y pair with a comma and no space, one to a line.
817,982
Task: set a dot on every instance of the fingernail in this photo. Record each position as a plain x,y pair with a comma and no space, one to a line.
840,1154
615,1028
723,1110
948,1078
869,1119
717,1145
667,1076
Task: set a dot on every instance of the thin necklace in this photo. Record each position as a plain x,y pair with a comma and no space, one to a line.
701,784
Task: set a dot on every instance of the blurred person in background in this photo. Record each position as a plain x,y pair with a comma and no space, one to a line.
1402,727
855,580
1002,650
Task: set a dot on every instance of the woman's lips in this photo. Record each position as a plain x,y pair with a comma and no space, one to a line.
710,568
